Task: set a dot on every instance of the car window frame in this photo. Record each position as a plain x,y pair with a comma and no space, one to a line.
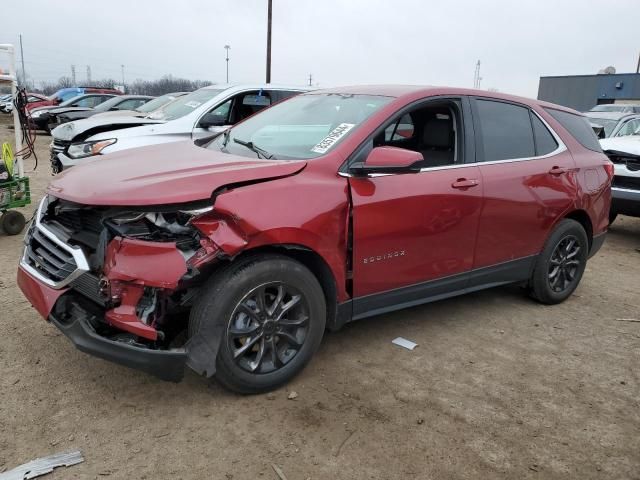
466,146
479,144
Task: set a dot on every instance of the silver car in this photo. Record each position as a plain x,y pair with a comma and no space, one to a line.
616,124
625,189
199,114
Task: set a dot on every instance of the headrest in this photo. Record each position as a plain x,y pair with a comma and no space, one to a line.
437,133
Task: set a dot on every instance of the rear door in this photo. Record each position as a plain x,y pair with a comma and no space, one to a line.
529,179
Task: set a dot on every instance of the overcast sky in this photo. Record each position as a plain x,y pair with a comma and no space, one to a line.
339,42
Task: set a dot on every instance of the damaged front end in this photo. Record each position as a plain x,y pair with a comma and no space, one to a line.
119,282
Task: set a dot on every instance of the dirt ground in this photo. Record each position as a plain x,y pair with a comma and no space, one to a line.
499,387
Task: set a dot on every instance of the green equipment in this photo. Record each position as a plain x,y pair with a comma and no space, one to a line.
14,193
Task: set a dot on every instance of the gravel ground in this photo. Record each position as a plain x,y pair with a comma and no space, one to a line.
499,387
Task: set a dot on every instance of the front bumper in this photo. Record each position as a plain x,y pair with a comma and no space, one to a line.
65,162
165,364
78,324
625,201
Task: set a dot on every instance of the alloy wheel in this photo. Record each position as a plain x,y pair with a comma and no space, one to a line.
268,327
564,264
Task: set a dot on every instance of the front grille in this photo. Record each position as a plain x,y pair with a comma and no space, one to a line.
630,183
59,146
47,257
89,285
80,220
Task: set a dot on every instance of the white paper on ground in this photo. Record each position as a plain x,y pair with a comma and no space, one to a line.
403,342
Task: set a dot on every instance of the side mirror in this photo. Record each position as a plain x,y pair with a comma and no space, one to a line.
212,120
388,160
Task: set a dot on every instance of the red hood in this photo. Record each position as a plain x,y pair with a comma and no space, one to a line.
169,173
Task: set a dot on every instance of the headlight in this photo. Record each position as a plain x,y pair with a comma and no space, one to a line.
88,149
37,114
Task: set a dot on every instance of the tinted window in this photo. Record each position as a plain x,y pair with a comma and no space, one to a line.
578,126
545,143
505,131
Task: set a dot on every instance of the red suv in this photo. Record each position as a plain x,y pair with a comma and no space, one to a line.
329,207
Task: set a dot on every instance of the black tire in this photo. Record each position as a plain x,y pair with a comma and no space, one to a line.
232,296
612,216
13,222
560,266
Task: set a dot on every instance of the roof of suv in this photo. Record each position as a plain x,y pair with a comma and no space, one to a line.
256,86
424,91
611,115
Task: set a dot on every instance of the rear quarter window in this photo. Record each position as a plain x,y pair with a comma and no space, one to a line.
579,128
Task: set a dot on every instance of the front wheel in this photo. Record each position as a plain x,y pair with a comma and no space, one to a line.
13,222
561,263
273,314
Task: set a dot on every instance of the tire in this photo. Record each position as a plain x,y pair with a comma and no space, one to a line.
233,297
560,265
612,216
13,222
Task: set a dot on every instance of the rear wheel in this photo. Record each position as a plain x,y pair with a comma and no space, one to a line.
273,314
561,263
13,222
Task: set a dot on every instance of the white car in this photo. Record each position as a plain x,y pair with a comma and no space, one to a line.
624,152
194,116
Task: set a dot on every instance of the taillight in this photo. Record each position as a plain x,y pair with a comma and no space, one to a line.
609,168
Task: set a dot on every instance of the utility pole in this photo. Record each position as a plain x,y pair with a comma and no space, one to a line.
638,67
24,75
122,67
88,75
227,48
476,76
269,16
73,74
310,79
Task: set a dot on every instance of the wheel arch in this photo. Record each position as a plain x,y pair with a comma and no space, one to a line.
582,217
314,262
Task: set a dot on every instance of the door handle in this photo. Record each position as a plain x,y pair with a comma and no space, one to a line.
557,170
464,183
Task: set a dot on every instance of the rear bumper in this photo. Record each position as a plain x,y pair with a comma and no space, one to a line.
625,201
164,364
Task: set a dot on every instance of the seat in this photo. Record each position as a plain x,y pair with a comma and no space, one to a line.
437,143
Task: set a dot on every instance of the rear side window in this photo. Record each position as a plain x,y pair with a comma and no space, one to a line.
578,126
505,131
545,143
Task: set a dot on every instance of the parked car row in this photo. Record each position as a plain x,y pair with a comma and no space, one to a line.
6,101
226,234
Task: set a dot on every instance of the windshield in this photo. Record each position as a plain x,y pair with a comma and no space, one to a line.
155,104
185,104
608,108
304,127
606,123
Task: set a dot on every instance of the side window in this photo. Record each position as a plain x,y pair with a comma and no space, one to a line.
130,104
218,116
246,104
578,126
545,143
632,127
505,130
400,130
91,101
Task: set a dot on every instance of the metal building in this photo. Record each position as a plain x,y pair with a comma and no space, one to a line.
582,92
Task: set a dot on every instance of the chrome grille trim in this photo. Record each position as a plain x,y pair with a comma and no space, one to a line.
82,265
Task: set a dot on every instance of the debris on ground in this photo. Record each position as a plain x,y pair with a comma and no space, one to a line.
292,395
279,472
403,342
42,466
633,320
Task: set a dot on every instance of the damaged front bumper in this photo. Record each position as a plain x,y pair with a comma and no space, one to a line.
87,330
164,364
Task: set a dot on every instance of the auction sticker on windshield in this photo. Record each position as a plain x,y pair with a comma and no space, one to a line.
330,140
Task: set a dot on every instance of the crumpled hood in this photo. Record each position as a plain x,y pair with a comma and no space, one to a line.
169,173
69,131
628,144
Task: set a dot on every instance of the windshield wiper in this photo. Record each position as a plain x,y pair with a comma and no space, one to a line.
261,153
